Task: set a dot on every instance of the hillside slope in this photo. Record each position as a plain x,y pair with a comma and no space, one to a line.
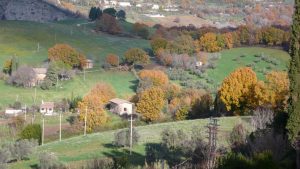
31,10
74,151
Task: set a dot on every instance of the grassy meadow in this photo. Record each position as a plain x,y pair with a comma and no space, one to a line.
232,59
124,84
21,38
77,149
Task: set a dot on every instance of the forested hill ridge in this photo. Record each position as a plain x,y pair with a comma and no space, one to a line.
32,10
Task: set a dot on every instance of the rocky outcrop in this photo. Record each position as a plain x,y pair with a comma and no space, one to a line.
32,10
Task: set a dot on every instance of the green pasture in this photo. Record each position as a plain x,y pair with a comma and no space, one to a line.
124,84
82,148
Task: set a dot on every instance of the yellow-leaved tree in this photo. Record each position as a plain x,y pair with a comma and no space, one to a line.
157,77
278,84
235,90
94,102
150,104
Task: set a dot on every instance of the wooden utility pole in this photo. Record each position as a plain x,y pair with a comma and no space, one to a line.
56,82
83,74
25,113
34,100
85,119
131,135
60,125
38,47
43,132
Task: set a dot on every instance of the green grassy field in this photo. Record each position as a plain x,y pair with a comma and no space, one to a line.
231,59
81,148
240,57
21,38
124,84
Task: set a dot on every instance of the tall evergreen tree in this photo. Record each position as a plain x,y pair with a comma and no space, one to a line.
93,13
293,124
98,13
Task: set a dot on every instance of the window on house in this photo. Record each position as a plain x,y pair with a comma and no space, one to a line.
50,109
125,109
43,109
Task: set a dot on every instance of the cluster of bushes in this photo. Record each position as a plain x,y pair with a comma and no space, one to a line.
141,30
177,149
213,40
20,150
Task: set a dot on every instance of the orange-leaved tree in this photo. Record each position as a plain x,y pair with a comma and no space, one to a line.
208,43
66,54
157,77
235,90
94,103
228,39
150,104
112,59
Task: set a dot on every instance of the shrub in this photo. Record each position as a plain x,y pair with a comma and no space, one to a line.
5,156
21,149
32,131
237,138
182,113
100,163
136,55
122,138
49,161
141,30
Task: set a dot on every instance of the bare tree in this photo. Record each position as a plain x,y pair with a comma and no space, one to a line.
23,77
262,117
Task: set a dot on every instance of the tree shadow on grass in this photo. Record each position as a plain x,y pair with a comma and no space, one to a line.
134,84
34,166
135,159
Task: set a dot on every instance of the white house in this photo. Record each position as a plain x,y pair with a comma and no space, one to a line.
125,4
199,64
120,106
89,64
155,6
47,108
40,74
13,112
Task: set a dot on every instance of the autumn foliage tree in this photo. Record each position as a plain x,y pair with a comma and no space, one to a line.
208,43
158,43
108,23
136,56
112,59
150,104
94,102
278,85
235,89
67,54
158,77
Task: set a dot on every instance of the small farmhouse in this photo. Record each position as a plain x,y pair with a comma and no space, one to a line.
13,112
40,74
47,108
120,106
89,64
